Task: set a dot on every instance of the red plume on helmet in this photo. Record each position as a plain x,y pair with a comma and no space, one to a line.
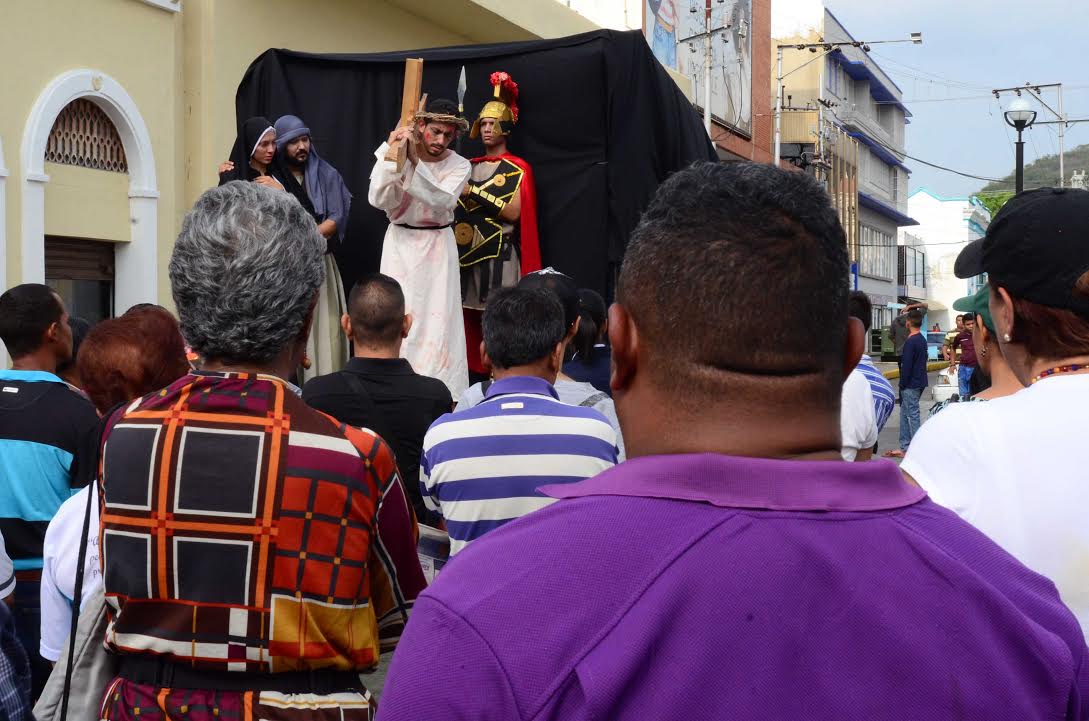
507,91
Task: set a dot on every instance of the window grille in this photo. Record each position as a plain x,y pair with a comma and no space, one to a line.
84,136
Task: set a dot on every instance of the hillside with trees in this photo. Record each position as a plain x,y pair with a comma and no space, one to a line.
1044,171
1040,173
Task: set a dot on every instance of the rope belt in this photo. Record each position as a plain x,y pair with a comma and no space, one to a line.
425,227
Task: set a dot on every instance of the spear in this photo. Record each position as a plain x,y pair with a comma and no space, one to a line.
462,87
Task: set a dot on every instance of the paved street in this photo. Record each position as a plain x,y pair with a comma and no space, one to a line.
890,435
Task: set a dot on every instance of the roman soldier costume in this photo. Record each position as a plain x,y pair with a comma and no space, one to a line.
495,251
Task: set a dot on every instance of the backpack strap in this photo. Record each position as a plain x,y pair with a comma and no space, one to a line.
355,383
593,399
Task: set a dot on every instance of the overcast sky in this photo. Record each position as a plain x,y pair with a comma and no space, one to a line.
970,47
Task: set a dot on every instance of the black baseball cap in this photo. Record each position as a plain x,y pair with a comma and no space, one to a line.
564,286
1036,247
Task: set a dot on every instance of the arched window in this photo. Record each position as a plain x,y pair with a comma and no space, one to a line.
84,136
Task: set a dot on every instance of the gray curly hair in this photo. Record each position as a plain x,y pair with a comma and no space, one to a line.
244,272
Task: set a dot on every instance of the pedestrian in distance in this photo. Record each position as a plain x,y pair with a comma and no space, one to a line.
913,381
964,349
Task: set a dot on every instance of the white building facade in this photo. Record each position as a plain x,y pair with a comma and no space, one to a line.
946,226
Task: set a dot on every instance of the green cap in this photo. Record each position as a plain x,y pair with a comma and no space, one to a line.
978,304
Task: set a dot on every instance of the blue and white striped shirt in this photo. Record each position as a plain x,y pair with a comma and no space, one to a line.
884,397
481,467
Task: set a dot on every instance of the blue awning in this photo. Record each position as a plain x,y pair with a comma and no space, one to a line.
879,206
879,150
859,70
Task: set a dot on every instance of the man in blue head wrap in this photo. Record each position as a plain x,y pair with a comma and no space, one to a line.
316,184
321,190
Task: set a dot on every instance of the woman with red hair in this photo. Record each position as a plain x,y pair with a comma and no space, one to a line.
128,357
120,360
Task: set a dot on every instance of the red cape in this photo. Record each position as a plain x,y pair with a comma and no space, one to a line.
531,251
531,244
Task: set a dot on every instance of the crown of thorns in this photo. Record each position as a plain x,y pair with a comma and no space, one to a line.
457,120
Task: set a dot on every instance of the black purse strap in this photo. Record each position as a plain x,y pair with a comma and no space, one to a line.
81,564
77,595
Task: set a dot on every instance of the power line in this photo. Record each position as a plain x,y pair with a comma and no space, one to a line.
920,160
1032,139
933,77
916,101
1005,128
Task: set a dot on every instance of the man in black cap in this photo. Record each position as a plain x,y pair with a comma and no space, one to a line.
1015,470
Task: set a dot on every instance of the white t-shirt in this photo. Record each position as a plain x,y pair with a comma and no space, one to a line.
1013,468
7,572
857,420
60,553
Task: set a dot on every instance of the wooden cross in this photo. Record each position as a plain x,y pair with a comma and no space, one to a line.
411,103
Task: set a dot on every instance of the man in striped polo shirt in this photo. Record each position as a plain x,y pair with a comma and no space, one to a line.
481,467
884,398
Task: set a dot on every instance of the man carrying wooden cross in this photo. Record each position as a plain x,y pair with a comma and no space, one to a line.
419,251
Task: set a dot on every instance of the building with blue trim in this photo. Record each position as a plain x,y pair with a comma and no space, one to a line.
845,121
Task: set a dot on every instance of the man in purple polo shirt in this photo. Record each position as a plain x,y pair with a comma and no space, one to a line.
735,568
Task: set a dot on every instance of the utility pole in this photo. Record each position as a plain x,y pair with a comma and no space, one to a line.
708,56
1062,133
1060,117
820,127
778,103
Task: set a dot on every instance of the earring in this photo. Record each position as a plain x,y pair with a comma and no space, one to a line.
1006,337
983,351
306,362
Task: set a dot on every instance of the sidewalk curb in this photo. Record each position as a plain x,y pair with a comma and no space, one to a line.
930,368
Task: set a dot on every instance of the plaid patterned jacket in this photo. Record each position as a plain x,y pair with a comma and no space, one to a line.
244,531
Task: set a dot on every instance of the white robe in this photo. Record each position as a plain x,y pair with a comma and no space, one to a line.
425,262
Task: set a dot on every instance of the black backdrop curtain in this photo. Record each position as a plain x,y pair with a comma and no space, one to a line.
601,123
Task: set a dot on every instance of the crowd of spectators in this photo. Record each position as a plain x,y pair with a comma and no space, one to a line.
648,518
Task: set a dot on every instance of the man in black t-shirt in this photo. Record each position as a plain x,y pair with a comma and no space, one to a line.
378,389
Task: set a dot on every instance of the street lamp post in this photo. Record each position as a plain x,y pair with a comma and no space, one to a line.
1019,116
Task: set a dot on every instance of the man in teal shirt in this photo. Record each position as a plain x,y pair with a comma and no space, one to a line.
43,423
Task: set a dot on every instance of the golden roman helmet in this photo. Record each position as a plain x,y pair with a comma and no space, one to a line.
503,109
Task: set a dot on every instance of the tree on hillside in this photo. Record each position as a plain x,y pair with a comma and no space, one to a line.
994,201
